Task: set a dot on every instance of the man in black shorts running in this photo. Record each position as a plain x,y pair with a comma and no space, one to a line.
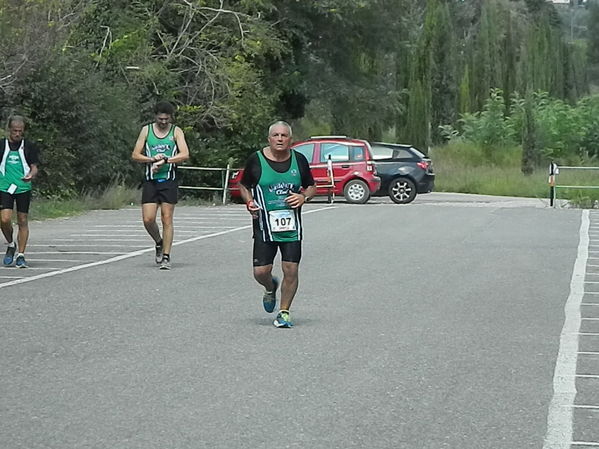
19,160
276,183
160,145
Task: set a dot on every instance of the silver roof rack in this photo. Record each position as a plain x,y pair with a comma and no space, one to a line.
328,137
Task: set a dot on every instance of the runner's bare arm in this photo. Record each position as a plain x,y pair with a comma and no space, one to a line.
32,173
138,151
183,153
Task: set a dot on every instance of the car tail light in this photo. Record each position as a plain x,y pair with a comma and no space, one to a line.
423,165
370,167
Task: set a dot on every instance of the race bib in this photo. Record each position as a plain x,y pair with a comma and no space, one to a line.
281,220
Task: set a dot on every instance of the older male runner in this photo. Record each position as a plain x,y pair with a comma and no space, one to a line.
19,160
276,182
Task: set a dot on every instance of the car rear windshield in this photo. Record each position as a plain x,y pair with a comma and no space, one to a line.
395,152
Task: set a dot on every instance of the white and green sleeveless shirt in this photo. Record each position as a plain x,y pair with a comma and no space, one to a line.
165,145
278,222
13,167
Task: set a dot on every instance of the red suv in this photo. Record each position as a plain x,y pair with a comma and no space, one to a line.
340,166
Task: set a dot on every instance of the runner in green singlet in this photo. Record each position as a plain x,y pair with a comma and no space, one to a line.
160,146
276,182
19,160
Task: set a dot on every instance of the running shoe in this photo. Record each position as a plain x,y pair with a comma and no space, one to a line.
165,263
269,299
283,320
21,262
10,255
159,252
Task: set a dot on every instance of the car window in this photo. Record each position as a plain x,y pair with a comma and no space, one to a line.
307,150
337,151
401,153
357,153
382,152
418,153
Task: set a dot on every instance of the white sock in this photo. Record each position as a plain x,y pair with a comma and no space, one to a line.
20,254
12,244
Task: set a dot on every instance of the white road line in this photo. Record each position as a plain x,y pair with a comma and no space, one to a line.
65,245
584,443
11,277
588,376
129,255
559,418
591,293
589,304
58,260
103,240
78,252
590,319
177,226
592,334
592,407
589,353
41,268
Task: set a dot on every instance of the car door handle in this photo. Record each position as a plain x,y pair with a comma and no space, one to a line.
345,166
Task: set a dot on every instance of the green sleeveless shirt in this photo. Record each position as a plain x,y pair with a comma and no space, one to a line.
278,222
165,145
13,167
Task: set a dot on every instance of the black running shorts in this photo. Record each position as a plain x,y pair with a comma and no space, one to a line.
159,192
23,200
265,252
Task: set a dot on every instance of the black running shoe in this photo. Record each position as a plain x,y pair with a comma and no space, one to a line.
159,252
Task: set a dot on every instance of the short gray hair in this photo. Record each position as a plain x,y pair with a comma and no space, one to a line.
15,118
280,122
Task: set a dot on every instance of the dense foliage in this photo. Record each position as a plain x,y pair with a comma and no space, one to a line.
86,73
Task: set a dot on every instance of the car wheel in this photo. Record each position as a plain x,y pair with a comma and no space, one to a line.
356,191
402,190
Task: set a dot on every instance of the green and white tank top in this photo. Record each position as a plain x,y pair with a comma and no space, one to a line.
278,222
12,169
161,145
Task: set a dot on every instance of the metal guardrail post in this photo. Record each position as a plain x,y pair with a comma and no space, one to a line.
552,172
226,184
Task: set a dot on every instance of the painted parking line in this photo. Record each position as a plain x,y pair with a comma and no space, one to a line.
58,260
121,256
560,417
67,245
79,252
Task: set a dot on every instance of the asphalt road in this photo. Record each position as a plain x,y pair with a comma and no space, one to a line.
432,325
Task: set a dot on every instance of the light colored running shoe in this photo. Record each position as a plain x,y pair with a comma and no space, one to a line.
269,299
165,263
21,262
283,320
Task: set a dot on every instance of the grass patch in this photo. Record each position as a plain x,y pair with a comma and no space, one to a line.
115,196
464,167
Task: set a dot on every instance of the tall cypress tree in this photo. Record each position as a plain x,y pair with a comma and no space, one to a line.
529,137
